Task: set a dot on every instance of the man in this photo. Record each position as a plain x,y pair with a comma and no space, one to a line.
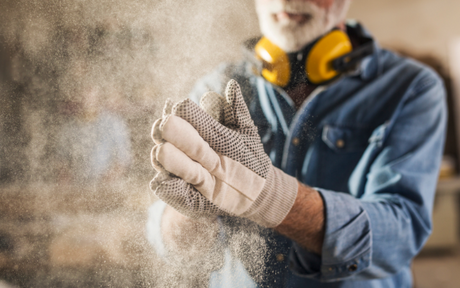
369,141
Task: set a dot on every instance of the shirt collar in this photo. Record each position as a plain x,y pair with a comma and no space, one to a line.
370,67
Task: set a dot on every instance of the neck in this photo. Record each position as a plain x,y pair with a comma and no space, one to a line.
299,93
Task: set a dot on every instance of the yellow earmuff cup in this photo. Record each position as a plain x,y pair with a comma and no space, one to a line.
319,61
278,70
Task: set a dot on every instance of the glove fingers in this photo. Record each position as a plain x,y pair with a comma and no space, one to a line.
153,160
214,133
182,135
241,115
178,163
167,109
159,179
231,143
156,132
214,104
188,201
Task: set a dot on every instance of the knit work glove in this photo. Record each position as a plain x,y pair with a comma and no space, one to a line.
225,163
174,191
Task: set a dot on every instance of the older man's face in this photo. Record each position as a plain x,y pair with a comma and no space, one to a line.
292,24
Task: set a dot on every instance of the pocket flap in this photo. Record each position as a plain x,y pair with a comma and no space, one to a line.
345,139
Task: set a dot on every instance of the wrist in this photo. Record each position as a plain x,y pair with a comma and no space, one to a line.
276,199
305,221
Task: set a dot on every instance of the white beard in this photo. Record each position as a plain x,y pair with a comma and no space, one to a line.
291,36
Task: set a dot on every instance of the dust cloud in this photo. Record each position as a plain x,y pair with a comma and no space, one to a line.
81,83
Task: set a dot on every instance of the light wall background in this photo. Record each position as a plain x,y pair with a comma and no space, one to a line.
420,26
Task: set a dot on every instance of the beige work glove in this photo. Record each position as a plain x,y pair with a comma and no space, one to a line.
174,191
225,163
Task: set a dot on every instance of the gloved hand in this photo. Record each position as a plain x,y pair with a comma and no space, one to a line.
174,191
226,164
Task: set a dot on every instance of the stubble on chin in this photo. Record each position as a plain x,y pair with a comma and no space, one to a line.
292,36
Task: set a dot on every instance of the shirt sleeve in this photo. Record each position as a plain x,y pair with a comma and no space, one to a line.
378,233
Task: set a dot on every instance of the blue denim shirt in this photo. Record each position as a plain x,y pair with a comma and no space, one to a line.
371,144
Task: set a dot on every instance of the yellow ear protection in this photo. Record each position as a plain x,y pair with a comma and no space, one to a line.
318,63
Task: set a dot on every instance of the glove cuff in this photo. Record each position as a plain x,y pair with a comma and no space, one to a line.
275,201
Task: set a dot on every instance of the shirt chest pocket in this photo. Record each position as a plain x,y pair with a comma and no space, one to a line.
341,139
332,162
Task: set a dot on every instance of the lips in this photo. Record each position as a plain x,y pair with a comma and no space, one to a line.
286,16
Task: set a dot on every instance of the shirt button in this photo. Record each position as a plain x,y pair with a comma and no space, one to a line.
352,267
340,143
280,257
295,141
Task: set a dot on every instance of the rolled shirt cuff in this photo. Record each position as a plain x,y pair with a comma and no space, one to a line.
347,246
